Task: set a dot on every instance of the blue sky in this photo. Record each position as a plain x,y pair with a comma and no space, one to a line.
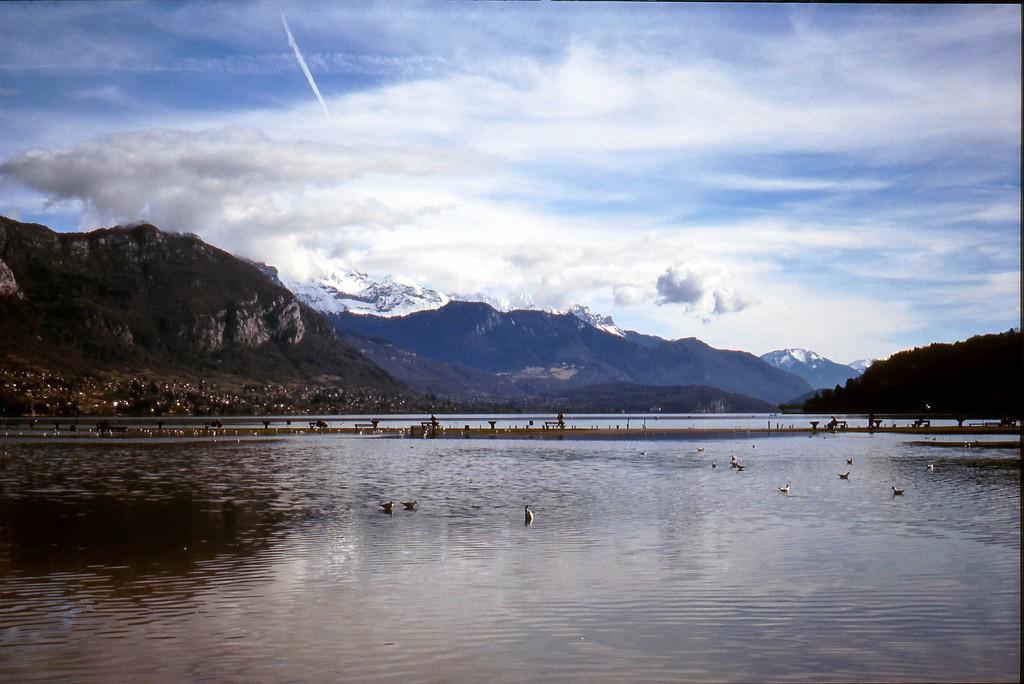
841,178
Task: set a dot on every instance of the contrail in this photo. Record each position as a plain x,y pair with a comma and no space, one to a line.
302,63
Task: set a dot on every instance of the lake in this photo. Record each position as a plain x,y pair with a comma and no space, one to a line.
267,561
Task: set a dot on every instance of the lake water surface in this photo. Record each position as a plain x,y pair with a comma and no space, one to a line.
271,561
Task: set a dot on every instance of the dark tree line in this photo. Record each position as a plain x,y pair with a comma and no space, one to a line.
979,376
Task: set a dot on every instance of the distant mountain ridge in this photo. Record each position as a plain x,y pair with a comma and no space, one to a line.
337,290
536,352
818,371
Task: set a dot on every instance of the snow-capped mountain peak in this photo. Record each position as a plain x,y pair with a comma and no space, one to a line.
815,369
599,321
336,290
860,365
784,358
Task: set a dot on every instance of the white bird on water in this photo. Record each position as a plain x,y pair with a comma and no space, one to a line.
528,514
931,466
784,490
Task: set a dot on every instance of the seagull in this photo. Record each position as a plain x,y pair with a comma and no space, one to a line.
784,490
844,476
528,514
387,506
897,492
931,466
849,461
410,505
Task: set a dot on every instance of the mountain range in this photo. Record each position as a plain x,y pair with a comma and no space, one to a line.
135,299
531,353
336,291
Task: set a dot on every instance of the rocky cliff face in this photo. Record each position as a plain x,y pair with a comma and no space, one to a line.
249,324
8,284
138,297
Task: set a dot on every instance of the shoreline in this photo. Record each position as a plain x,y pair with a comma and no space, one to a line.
120,432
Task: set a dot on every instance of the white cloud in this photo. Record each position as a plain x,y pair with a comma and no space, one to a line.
700,288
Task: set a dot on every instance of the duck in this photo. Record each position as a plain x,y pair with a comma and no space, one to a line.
528,514
410,505
714,465
739,467
844,476
700,449
784,490
897,492
931,466
387,506
849,461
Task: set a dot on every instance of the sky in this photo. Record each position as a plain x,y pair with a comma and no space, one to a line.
842,178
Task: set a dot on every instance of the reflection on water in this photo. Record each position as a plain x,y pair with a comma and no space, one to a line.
272,561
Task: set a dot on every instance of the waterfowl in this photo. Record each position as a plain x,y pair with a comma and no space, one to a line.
897,492
700,448
714,465
739,467
528,514
410,505
784,490
849,461
931,466
387,506
844,476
